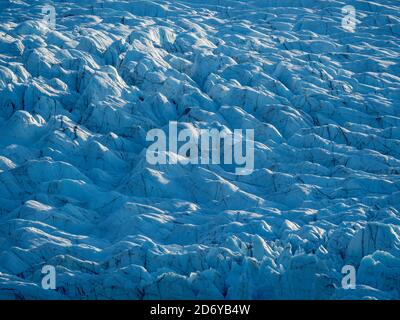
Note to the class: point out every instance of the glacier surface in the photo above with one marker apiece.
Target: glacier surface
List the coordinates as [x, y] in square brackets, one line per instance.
[77, 193]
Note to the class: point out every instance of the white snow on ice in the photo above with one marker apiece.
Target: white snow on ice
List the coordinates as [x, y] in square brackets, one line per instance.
[76, 191]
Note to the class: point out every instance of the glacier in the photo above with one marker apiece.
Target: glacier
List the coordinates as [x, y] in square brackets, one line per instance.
[76, 191]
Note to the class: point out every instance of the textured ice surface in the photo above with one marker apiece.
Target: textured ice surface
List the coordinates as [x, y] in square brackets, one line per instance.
[76, 191]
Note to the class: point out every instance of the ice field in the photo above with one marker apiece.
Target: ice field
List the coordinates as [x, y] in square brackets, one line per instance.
[77, 99]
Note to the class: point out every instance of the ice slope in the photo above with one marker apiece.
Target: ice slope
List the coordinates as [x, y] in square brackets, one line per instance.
[76, 191]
